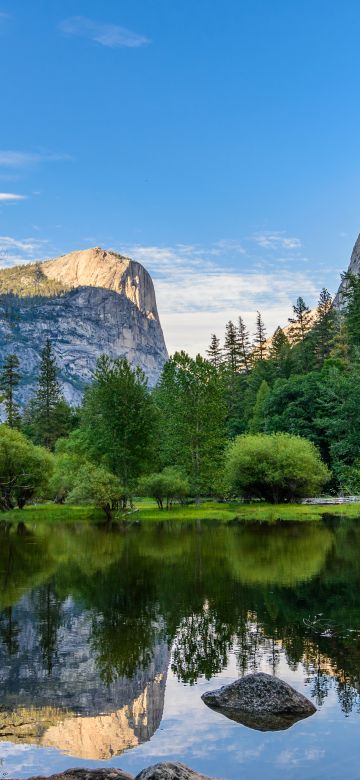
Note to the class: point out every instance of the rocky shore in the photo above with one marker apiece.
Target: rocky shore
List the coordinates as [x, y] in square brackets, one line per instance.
[163, 771]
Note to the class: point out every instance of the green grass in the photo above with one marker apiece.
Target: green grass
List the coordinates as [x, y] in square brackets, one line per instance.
[243, 512]
[147, 512]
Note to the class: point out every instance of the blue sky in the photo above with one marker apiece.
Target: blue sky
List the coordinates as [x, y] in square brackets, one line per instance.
[217, 141]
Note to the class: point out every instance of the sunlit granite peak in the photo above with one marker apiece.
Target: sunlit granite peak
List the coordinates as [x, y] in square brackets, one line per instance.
[87, 303]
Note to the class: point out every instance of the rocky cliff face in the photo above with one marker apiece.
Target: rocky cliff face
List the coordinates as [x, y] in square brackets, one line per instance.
[354, 268]
[87, 303]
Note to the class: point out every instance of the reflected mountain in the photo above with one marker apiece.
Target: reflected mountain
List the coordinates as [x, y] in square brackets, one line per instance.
[64, 703]
[91, 737]
[89, 617]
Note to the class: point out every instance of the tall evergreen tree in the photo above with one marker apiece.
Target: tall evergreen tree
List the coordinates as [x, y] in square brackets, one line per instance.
[340, 348]
[231, 347]
[47, 416]
[280, 354]
[324, 331]
[244, 346]
[214, 352]
[9, 379]
[301, 321]
[259, 338]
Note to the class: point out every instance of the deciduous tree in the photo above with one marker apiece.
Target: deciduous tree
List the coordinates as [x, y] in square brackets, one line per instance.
[192, 407]
[24, 469]
[118, 420]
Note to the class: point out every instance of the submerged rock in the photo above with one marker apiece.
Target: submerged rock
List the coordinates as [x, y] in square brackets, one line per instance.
[89, 774]
[163, 771]
[170, 771]
[260, 702]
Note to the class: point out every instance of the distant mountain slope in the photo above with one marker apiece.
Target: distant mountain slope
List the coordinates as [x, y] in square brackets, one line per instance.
[354, 268]
[29, 280]
[87, 303]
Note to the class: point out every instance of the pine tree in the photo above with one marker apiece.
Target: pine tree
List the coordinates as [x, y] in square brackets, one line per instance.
[340, 347]
[47, 416]
[260, 338]
[280, 353]
[324, 331]
[49, 393]
[301, 322]
[244, 346]
[214, 352]
[9, 379]
[231, 349]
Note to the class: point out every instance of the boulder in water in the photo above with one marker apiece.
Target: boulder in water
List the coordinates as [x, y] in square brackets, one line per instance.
[89, 774]
[170, 771]
[261, 702]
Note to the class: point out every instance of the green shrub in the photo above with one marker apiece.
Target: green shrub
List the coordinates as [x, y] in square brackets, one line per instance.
[96, 485]
[25, 469]
[169, 485]
[276, 467]
[348, 477]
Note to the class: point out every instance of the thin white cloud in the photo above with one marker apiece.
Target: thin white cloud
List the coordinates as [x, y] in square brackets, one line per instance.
[198, 289]
[15, 251]
[197, 292]
[11, 196]
[276, 240]
[188, 290]
[16, 159]
[110, 35]
[228, 245]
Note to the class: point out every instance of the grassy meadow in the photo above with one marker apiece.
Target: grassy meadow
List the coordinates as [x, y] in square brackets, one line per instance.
[146, 511]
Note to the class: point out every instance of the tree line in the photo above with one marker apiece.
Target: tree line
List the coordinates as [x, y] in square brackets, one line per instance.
[272, 418]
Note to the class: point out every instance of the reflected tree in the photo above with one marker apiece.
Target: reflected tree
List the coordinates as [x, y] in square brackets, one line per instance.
[9, 631]
[48, 610]
[201, 646]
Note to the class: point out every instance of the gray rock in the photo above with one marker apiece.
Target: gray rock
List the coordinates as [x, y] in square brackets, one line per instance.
[354, 268]
[261, 702]
[105, 304]
[170, 771]
[163, 771]
[89, 774]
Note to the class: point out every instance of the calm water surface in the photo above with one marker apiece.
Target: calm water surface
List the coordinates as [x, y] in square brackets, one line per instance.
[108, 640]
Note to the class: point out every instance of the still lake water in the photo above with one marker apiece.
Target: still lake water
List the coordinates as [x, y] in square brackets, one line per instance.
[108, 640]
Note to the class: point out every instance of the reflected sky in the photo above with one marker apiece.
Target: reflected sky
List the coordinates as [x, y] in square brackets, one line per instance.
[108, 641]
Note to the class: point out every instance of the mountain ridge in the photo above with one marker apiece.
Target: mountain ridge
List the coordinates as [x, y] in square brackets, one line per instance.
[353, 268]
[86, 302]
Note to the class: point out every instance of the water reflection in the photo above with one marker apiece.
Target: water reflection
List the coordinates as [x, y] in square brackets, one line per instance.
[89, 618]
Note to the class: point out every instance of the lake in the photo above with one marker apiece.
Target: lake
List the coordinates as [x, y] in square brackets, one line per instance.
[108, 640]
